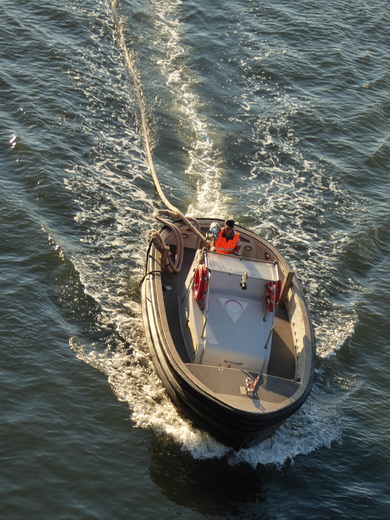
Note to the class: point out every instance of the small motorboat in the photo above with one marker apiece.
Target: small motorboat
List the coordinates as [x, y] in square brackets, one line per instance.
[230, 336]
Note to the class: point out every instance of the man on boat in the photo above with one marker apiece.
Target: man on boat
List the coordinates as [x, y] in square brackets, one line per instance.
[228, 240]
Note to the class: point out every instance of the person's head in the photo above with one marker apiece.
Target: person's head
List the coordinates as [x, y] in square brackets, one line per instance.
[229, 223]
[229, 226]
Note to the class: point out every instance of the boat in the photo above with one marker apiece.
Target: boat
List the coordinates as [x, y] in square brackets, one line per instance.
[230, 335]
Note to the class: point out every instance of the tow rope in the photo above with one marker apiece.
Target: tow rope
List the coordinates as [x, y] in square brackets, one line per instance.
[130, 63]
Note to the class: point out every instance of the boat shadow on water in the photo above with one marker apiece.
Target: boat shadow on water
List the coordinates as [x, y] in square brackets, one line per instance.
[208, 487]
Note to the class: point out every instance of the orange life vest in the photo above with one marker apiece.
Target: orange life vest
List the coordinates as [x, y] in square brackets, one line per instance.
[226, 246]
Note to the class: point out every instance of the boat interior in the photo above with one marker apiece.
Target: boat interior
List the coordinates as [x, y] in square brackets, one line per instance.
[232, 342]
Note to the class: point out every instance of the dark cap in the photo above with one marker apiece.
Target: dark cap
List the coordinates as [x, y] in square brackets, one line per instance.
[229, 223]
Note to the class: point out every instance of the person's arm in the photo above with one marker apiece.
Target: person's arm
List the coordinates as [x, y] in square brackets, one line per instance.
[237, 249]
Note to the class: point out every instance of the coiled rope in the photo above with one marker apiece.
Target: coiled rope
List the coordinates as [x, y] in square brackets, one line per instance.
[173, 213]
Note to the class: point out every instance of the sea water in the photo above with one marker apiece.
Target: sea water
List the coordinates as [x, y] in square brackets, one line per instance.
[272, 113]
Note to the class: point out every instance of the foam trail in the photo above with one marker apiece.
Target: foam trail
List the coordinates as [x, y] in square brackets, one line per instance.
[205, 163]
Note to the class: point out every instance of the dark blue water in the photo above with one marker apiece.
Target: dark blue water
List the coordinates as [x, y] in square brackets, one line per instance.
[274, 113]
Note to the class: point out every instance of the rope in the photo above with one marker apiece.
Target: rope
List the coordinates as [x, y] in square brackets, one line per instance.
[176, 264]
[130, 62]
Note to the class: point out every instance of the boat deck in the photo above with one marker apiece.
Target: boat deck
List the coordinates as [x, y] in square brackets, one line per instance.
[172, 282]
[282, 359]
[228, 384]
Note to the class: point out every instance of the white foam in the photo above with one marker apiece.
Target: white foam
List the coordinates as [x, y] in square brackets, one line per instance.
[205, 164]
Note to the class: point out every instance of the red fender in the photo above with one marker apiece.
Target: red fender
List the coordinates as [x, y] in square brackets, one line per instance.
[201, 282]
[273, 294]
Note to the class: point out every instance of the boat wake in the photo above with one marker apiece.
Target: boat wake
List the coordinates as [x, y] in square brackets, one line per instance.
[114, 199]
[133, 380]
[205, 165]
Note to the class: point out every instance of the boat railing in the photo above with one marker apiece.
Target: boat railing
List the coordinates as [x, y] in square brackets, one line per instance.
[202, 334]
[206, 308]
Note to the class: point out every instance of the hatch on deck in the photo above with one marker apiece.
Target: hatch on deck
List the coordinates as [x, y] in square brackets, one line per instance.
[234, 265]
[233, 328]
